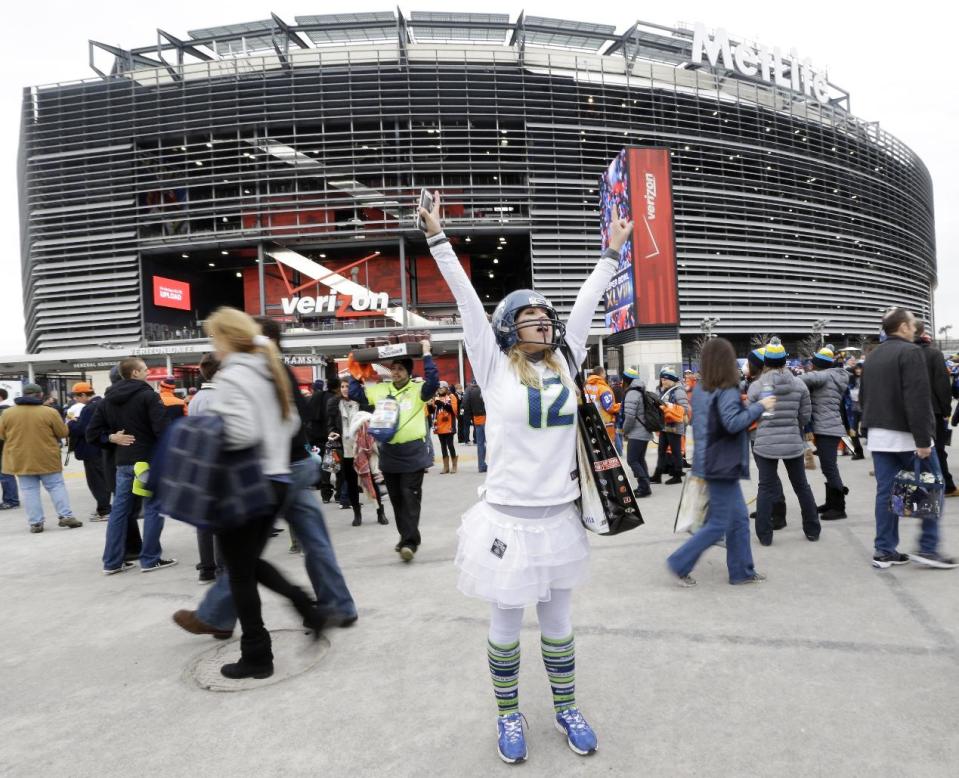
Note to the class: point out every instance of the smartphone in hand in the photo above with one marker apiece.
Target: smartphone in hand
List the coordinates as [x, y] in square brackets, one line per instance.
[426, 202]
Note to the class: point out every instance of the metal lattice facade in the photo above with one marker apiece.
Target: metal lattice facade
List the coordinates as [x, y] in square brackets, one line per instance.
[786, 211]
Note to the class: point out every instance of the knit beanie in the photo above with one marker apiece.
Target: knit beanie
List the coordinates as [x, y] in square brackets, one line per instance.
[756, 358]
[630, 374]
[168, 383]
[824, 358]
[406, 362]
[669, 373]
[775, 354]
[318, 385]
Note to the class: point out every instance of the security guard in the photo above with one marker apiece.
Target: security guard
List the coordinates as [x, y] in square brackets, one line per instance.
[404, 459]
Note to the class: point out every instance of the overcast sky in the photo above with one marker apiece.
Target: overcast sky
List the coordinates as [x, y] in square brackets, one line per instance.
[897, 66]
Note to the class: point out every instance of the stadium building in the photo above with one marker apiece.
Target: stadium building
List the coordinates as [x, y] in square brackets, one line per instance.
[273, 166]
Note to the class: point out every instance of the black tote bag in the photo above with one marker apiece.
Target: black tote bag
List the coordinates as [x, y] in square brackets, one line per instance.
[607, 504]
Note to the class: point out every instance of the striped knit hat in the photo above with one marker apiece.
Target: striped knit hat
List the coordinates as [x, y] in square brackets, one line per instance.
[756, 358]
[775, 353]
[825, 357]
[669, 373]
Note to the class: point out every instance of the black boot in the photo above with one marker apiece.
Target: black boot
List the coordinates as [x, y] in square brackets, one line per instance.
[357, 516]
[825, 505]
[835, 504]
[246, 669]
[779, 514]
[656, 478]
[381, 515]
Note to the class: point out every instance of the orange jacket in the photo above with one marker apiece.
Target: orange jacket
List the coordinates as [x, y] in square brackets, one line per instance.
[598, 391]
[169, 400]
[444, 419]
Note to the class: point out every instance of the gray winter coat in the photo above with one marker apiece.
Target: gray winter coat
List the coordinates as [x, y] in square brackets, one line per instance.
[677, 395]
[781, 436]
[633, 428]
[827, 387]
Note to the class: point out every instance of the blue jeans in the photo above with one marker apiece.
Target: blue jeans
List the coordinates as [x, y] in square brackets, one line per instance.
[636, 459]
[618, 441]
[54, 484]
[827, 449]
[886, 464]
[479, 433]
[8, 484]
[303, 514]
[727, 516]
[113, 549]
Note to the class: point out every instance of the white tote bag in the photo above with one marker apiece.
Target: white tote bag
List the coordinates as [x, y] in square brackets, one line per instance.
[693, 504]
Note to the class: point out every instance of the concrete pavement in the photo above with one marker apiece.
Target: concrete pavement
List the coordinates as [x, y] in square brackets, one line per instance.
[829, 668]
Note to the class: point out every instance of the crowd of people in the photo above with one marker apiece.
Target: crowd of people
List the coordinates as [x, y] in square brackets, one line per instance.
[523, 544]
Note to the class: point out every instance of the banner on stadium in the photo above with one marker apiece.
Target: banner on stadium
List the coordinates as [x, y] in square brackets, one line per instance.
[169, 293]
[644, 290]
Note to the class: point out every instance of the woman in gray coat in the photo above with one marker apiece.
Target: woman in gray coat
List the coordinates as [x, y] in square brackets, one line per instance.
[827, 385]
[635, 432]
[779, 437]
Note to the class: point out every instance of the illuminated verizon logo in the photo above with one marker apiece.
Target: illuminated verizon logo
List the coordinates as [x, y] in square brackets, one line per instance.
[341, 305]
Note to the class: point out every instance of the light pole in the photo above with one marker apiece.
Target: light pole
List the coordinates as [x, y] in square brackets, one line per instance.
[707, 324]
[818, 328]
[944, 334]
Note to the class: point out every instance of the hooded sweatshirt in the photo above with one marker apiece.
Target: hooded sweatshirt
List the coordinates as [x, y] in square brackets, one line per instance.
[602, 395]
[245, 398]
[132, 406]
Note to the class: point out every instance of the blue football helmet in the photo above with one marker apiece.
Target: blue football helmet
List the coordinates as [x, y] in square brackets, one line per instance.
[504, 317]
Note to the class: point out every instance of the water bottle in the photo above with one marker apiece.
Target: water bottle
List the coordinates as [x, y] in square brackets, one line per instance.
[767, 391]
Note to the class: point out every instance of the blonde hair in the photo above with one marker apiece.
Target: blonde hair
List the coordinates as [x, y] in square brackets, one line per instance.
[234, 332]
[528, 376]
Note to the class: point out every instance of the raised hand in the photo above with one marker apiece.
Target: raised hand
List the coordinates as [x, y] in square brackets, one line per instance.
[620, 230]
[431, 218]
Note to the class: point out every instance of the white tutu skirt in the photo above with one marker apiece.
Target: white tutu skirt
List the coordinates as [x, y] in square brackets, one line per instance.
[514, 562]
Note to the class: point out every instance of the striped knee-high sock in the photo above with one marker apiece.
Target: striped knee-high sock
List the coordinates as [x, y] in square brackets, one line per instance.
[559, 656]
[504, 669]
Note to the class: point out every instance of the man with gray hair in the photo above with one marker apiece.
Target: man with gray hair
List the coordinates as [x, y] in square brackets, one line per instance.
[31, 434]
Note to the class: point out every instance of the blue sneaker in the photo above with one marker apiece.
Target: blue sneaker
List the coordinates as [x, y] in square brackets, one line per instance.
[579, 735]
[511, 743]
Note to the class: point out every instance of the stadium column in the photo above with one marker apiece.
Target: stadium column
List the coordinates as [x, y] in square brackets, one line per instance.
[403, 300]
[261, 277]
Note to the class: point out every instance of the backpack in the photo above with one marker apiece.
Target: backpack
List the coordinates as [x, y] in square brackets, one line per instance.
[652, 418]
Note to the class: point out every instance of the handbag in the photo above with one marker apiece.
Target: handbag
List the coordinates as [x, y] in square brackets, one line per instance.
[917, 493]
[200, 483]
[723, 450]
[607, 503]
[693, 505]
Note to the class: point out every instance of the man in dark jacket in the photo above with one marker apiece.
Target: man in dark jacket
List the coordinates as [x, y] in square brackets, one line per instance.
[132, 417]
[89, 453]
[474, 411]
[941, 385]
[316, 427]
[897, 412]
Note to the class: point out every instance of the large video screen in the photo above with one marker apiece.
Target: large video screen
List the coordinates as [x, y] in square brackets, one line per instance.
[643, 292]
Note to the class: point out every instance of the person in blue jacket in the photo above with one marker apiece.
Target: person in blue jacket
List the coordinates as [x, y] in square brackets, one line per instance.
[727, 515]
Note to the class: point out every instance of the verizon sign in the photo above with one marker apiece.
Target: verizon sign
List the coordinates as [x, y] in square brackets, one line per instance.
[759, 62]
[343, 306]
[169, 293]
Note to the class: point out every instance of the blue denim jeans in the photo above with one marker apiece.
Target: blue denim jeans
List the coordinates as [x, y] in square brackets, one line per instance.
[886, 464]
[54, 484]
[479, 433]
[636, 459]
[727, 516]
[8, 484]
[827, 449]
[302, 512]
[113, 549]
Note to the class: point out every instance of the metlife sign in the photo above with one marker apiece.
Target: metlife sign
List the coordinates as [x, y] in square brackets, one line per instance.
[759, 62]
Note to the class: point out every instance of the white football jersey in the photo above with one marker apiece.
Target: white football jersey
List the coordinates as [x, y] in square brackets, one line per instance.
[530, 433]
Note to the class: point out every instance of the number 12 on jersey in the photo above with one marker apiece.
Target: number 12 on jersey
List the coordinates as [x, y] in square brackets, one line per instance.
[553, 416]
